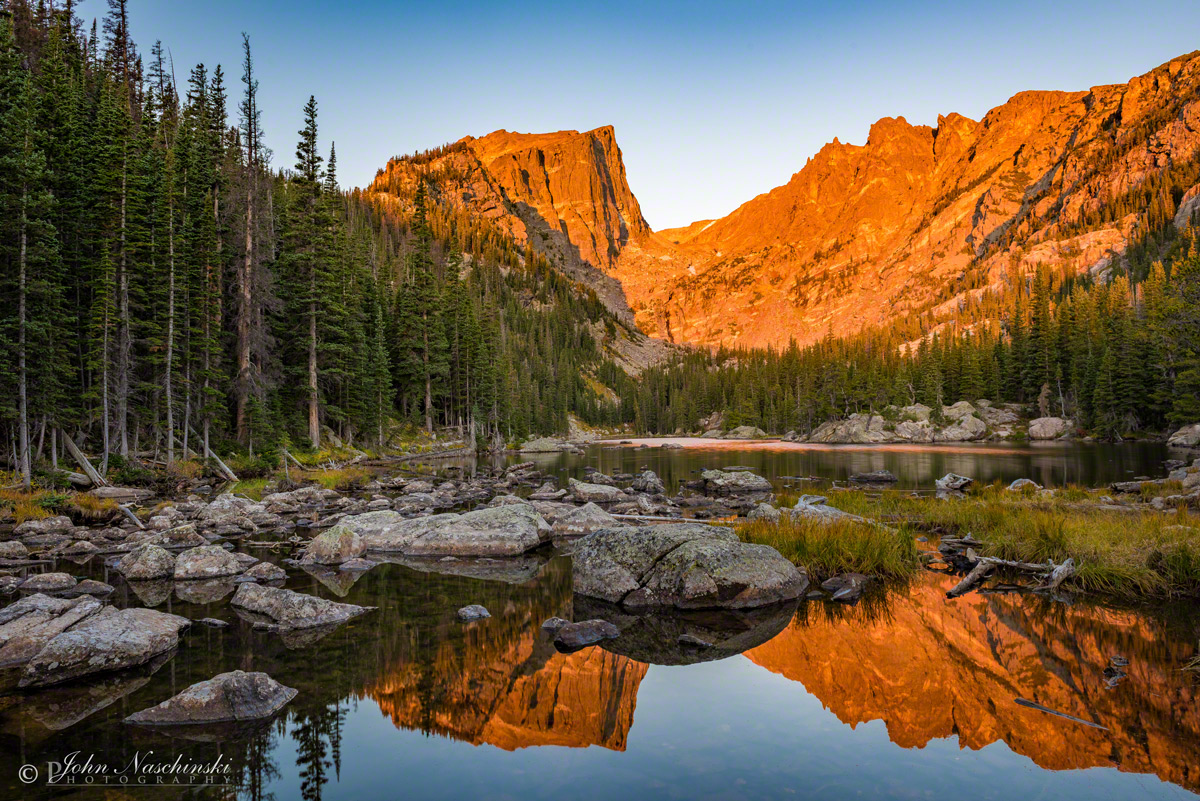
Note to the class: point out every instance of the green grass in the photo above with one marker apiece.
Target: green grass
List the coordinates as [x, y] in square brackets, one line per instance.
[251, 487]
[1133, 554]
[825, 549]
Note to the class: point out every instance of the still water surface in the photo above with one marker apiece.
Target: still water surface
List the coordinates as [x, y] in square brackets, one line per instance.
[907, 695]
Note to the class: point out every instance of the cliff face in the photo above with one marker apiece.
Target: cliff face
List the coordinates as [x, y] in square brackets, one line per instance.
[930, 668]
[914, 219]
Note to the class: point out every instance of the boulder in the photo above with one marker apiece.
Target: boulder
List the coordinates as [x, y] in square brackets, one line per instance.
[147, 562]
[494, 531]
[682, 565]
[229, 697]
[293, 610]
[814, 507]
[958, 411]
[953, 481]
[857, 428]
[570, 637]
[110, 639]
[27, 625]
[733, 482]
[206, 562]
[184, 536]
[649, 482]
[846, 588]
[765, 511]
[473, 612]
[45, 525]
[334, 546]
[1186, 437]
[47, 582]
[583, 520]
[998, 416]
[746, 432]
[966, 429]
[595, 493]
[88, 587]
[910, 431]
[265, 571]
[357, 564]
[1043, 428]
[13, 550]
[1023, 484]
[916, 413]
[543, 445]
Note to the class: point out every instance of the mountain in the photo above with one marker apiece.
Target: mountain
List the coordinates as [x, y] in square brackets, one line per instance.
[917, 220]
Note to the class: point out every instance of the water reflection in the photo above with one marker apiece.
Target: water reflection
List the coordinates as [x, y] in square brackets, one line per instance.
[932, 668]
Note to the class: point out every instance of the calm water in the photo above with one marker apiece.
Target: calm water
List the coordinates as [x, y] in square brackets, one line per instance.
[916, 466]
[907, 695]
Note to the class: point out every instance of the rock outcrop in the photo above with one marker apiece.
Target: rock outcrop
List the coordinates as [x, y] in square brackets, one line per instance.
[682, 565]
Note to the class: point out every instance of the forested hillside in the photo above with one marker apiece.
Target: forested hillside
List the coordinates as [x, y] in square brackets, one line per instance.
[168, 284]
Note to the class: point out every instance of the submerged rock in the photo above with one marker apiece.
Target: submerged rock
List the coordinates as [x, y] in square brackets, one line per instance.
[473, 612]
[293, 610]
[683, 565]
[847, 588]
[875, 477]
[108, 640]
[570, 637]
[234, 696]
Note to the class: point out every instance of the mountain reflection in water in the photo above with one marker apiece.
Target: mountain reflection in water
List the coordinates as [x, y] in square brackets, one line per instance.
[933, 668]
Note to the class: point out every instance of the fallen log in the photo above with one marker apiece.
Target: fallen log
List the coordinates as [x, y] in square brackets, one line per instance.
[222, 468]
[89, 471]
[125, 508]
[977, 574]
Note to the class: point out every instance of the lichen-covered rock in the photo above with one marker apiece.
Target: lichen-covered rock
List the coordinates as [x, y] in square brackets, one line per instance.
[13, 550]
[733, 482]
[587, 492]
[147, 562]
[570, 637]
[265, 571]
[966, 429]
[46, 525]
[1185, 437]
[953, 481]
[958, 411]
[473, 612]
[649, 482]
[206, 562]
[27, 625]
[293, 610]
[110, 639]
[745, 432]
[683, 565]
[506, 530]
[765, 511]
[334, 546]
[47, 582]
[229, 697]
[583, 520]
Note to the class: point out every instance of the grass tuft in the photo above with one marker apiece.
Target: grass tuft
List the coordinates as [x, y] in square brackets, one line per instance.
[825, 549]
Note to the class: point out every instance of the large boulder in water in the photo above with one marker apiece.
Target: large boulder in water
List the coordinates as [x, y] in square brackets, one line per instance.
[206, 562]
[1186, 437]
[586, 492]
[508, 530]
[230, 697]
[334, 546]
[1047, 428]
[110, 639]
[733, 482]
[293, 610]
[147, 562]
[682, 565]
[583, 520]
[27, 625]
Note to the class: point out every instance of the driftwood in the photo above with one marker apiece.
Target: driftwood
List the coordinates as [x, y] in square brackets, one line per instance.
[222, 468]
[981, 566]
[125, 508]
[1048, 710]
[293, 460]
[88, 470]
[977, 574]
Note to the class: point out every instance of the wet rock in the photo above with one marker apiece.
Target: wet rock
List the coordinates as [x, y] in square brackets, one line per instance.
[89, 587]
[233, 696]
[473, 612]
[79, 548]
[846, 588]
[585, 492]
[1024, 484]
[358, 564]
[47, 582]
[553, 624]
[27, 625]
[583, 520]
[874, 477]
[293, 610]
[184, 536]
[334, 546]
[648, 481]
[213, 623]
[152, 593]
[547, 492]
[682, 565]
[110, 639]
[204, 591]
[574, 636]
[13, 550]
[1043, 428]
[692, 641]
[8, 584]
[500, 531]
[953, 481]
[206, 562]
[265, 571]
[733, 482]
[147, 562]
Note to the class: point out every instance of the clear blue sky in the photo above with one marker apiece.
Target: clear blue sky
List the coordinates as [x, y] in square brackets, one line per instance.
[713, 103]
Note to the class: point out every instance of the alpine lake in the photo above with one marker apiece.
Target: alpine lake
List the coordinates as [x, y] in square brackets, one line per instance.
[905, 694]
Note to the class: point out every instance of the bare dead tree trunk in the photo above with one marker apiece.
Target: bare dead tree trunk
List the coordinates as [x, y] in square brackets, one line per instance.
[124, 337]
[22, 393]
